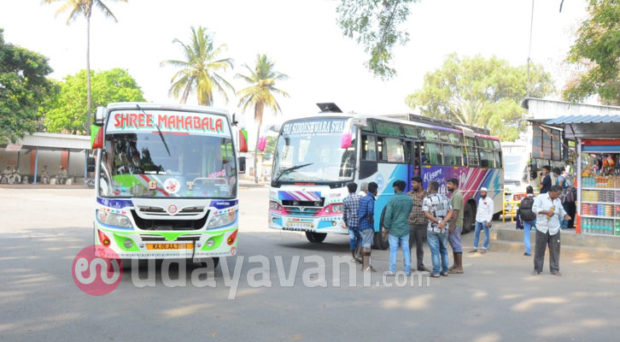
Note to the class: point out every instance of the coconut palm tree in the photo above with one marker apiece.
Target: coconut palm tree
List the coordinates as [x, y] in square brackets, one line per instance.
[199, 70]
[260, 93]
[84, 8]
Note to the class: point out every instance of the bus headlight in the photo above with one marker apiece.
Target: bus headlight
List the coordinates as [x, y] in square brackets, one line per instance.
[337, 208]
[113, 219]
[224, 219]
[273, 205]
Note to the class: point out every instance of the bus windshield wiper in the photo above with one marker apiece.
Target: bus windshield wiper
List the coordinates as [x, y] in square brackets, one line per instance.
[290, 169]
[158, 130]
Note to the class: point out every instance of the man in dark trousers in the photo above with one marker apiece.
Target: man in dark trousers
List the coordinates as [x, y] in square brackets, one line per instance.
[418, 222]
[456, 225]
[549, 212]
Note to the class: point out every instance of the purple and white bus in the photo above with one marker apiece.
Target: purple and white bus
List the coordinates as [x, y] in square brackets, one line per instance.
[317, 156]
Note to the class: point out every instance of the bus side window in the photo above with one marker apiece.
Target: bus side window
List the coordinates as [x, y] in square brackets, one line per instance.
[498, 160]
[472, 155]
[486, 159]
[381, 149]
[395, 150]
[452, 155]
[369, 148]
[432, 152]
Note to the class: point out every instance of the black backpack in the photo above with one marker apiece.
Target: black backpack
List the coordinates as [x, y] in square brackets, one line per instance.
[525, 209]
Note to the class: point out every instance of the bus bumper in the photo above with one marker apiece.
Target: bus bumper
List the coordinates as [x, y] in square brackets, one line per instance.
[327, 224]
[141, 244]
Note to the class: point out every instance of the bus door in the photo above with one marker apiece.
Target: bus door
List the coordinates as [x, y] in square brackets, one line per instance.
[413, 157]
[417, 162]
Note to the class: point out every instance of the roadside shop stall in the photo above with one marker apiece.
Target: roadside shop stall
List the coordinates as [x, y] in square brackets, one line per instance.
[597, 139]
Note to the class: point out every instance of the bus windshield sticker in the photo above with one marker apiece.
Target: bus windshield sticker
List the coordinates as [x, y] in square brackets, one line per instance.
[170, 122]
[314, 127]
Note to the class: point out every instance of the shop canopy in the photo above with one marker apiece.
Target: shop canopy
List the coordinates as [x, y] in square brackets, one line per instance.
[587, 126]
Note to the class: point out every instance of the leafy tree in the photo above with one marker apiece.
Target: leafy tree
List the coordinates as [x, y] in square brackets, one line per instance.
[199, 70]
[374, 24]
[68, 112]
[260, 93]
[480, 92]
[84, 8]
[598, 48]
[23, 86]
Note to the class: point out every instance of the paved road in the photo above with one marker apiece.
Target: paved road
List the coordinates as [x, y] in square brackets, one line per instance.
[496, 300]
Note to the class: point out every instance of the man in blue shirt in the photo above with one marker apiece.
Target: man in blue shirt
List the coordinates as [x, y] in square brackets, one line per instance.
[351, 222]
[366, 227]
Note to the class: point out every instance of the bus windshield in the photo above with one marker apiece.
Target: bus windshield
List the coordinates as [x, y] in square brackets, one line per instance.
[162, 158]
[514, 166]
[311, 151]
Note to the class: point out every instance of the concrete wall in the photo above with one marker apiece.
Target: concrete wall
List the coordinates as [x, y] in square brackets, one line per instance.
[52, 159]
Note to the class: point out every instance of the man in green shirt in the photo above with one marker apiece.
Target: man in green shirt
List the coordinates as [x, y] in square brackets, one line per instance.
[456, 225]
[396, 220]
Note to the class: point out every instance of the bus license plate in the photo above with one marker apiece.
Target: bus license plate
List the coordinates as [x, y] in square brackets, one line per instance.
[164, 246]
[297, 224]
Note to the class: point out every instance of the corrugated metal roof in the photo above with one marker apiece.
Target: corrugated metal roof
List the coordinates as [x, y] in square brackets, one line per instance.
[584, 119]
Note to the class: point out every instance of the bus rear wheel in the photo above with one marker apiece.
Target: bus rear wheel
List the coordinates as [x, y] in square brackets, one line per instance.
[379, 240]
[468, 218]
[315, 237]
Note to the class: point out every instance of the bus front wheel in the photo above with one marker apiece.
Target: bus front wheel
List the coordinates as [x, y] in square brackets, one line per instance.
[315, 237]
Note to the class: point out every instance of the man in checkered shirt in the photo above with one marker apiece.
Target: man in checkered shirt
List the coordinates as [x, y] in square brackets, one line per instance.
[438, 211]
[351, 221]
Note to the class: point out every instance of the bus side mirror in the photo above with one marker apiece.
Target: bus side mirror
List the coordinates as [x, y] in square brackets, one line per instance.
[241, 164]
[100, 115]
[345, 142]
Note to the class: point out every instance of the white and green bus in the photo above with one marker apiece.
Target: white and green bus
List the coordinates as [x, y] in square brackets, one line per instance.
[166, 182]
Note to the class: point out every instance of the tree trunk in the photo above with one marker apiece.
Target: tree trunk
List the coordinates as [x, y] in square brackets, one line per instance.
[88, 89]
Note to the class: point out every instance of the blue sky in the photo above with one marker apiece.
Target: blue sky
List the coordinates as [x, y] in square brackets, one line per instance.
[304, 40]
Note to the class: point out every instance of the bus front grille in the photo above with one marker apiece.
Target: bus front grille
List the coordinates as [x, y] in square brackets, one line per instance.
[154, 224]
[302, 211]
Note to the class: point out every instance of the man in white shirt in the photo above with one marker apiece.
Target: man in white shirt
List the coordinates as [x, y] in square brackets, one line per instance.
[484, 215]
[549, 212]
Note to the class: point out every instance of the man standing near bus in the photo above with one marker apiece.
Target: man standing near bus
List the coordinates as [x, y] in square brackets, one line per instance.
[418, 223]
[438, 211]
[484, 216]
[351, 221]
[396, 221]
[456, 225]
[549, 211]
[366, 226]
[545, 179]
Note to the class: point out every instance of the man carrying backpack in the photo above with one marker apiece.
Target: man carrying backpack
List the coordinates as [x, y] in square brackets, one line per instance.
[528, 217]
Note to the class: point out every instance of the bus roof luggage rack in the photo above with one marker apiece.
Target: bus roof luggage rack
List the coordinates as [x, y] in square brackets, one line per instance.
[433, 121]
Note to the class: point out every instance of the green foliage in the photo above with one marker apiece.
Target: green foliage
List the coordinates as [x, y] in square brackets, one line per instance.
[598, 48]
[260, 92]
[199, 70]
[374, 25]
[68, 112]
[82, 7]
[480, 92]
[23, 86]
